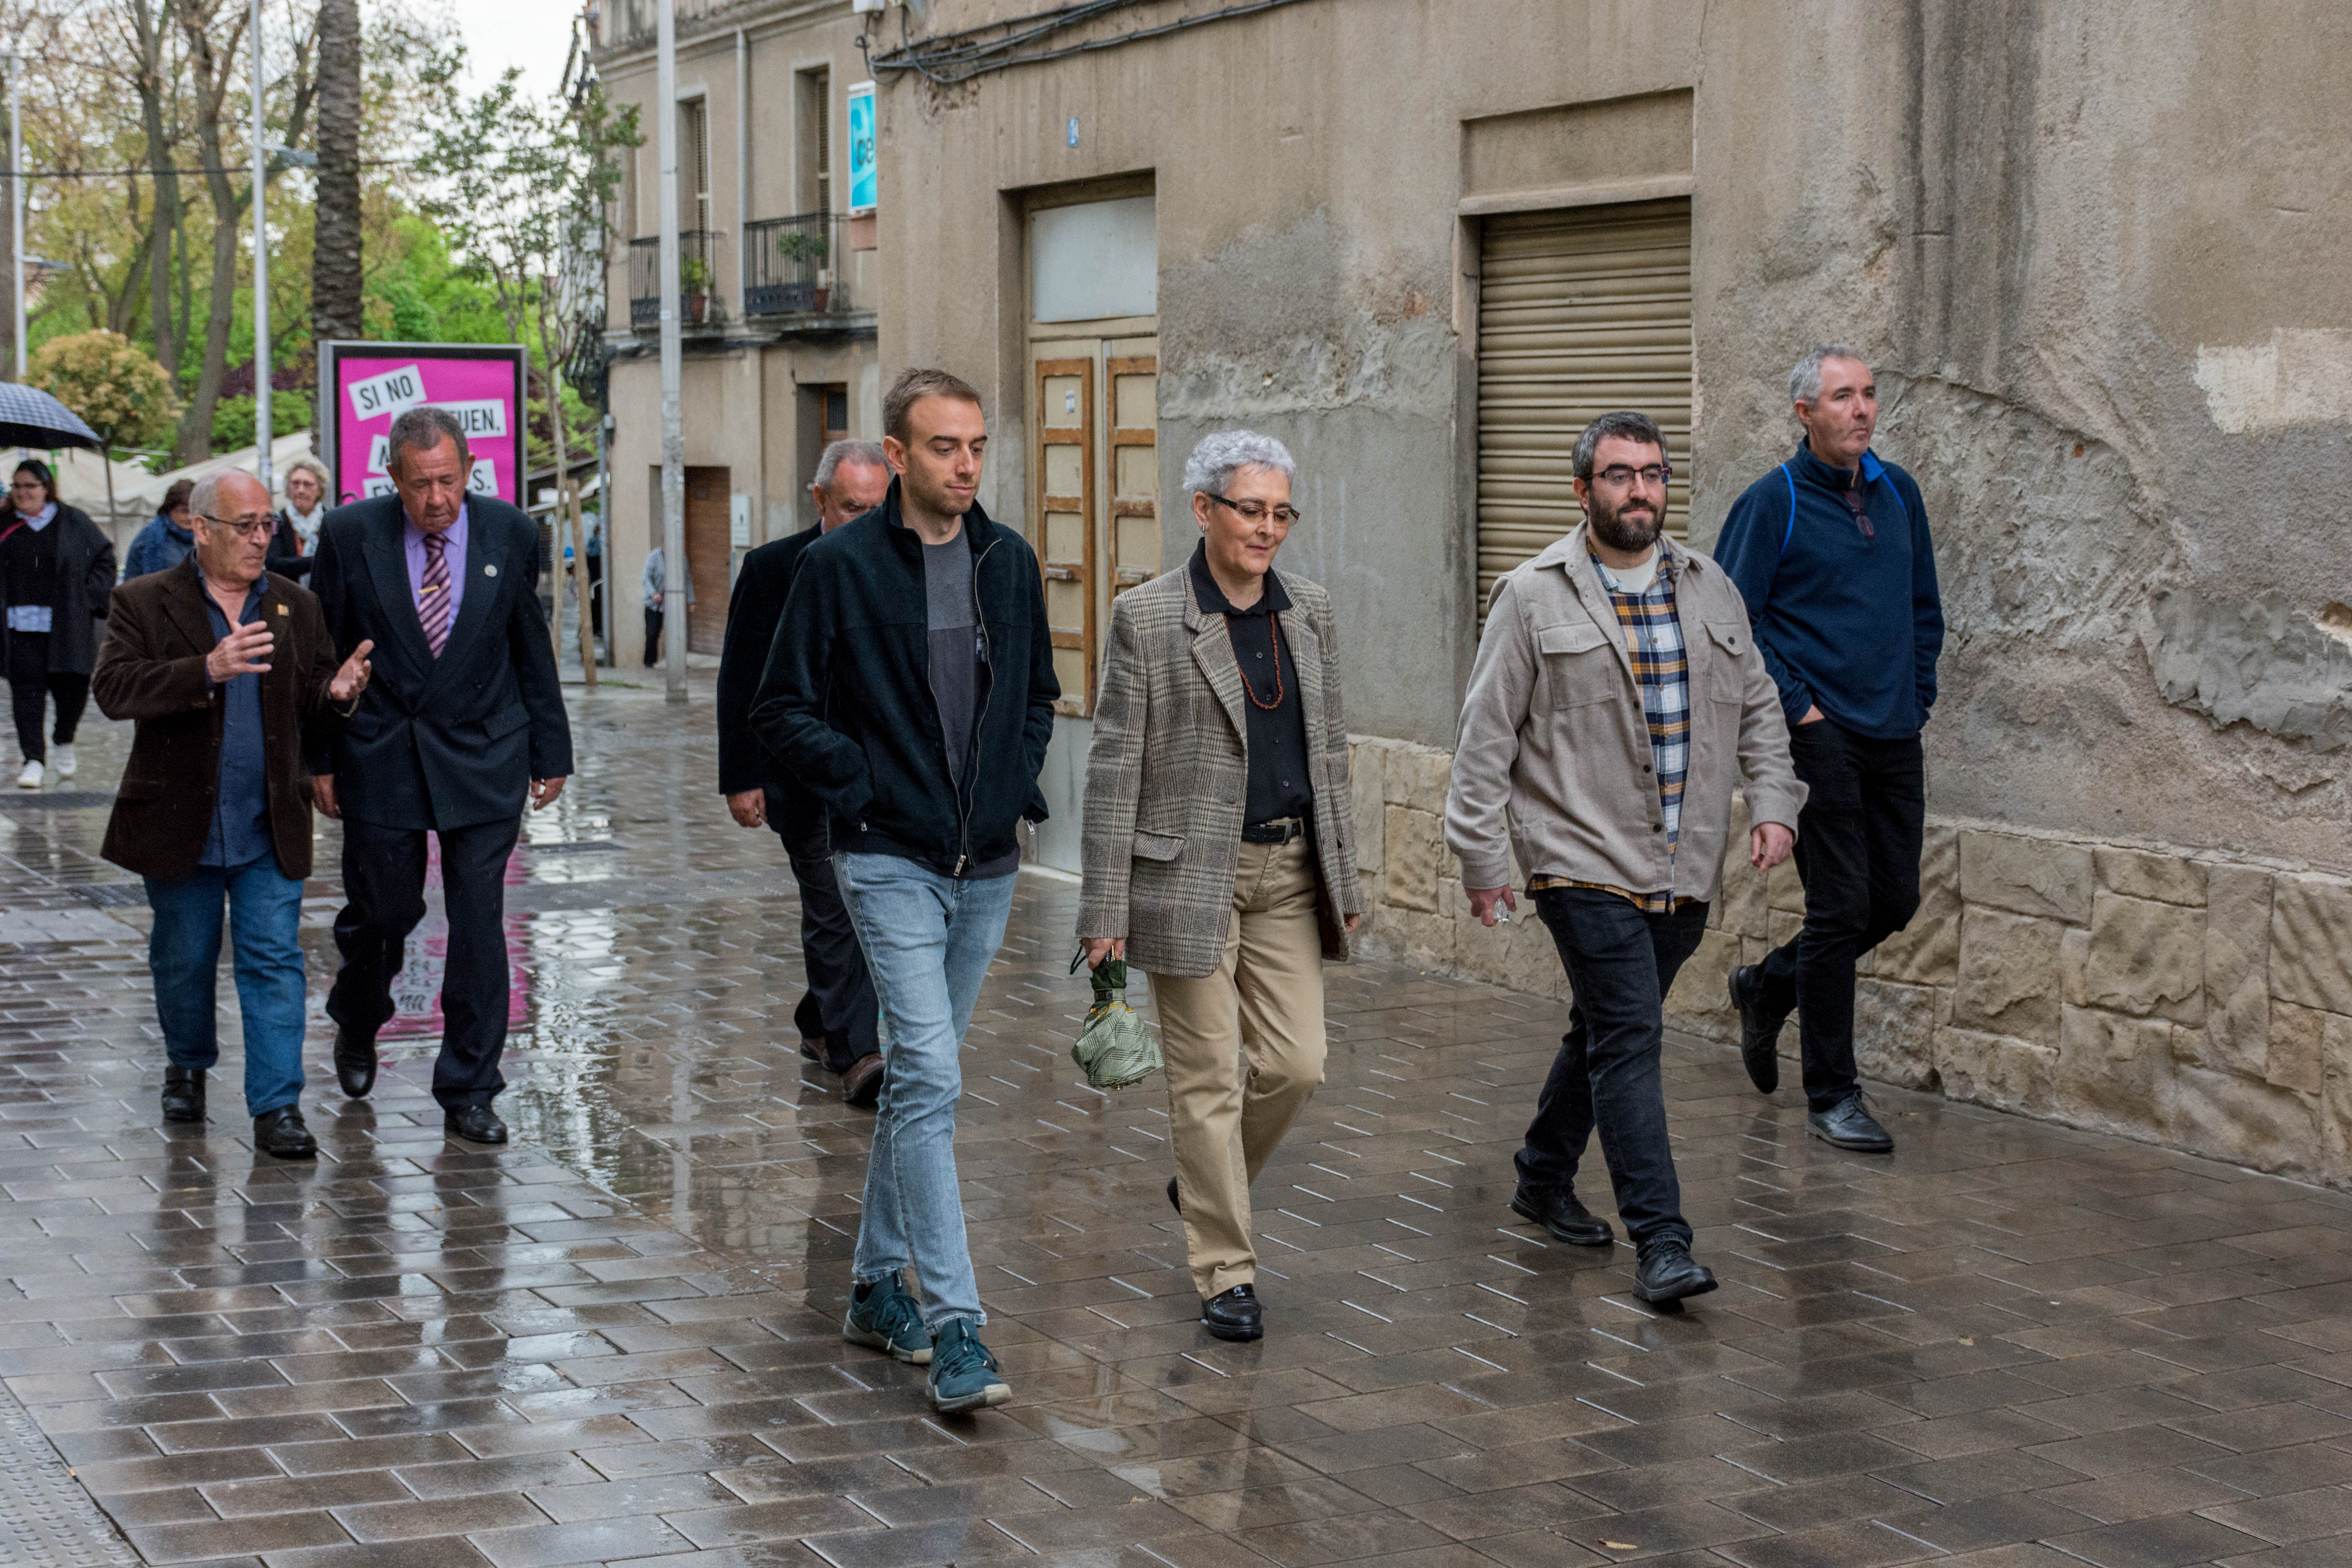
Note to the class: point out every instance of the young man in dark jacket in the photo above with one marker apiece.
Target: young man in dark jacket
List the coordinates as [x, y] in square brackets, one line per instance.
[1832, 552]
[835, 1015]
[911, 690]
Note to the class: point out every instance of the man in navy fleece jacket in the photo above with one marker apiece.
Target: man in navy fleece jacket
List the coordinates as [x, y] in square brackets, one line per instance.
[1832, 552]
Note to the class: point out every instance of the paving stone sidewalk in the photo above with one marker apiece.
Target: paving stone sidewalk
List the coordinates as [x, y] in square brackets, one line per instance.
[2011, 1345]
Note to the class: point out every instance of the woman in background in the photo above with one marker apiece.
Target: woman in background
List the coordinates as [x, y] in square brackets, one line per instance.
[57, 573]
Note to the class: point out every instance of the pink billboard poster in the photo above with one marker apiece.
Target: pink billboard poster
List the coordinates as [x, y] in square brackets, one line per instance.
[373, 382]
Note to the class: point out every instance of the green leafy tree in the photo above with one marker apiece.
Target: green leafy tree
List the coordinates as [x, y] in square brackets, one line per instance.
[119, 392]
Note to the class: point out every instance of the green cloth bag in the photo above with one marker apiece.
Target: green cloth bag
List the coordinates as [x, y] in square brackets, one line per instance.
[1116, 1047]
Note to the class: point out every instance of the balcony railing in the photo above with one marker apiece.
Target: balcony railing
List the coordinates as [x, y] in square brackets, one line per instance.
[698, 300]
[791, 266]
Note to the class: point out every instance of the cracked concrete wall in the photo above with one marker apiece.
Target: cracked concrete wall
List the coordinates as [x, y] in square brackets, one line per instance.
[2103, 254]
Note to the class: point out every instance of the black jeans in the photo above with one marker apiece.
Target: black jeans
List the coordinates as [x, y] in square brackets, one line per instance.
[653, 637]
[31, 684]
[1858, 855]
[1621, 964]
[840, 1007]
[384, 877]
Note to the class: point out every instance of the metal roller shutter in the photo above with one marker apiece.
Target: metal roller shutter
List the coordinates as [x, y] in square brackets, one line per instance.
[1579, 312]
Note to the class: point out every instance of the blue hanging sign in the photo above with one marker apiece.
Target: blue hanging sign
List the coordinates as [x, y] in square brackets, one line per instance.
[861, 149]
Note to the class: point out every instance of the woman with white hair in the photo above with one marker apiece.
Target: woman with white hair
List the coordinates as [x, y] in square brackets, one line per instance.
[295, 540]
[1217, 844]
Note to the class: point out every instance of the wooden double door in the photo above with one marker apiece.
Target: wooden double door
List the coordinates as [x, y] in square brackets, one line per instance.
[1095, 486]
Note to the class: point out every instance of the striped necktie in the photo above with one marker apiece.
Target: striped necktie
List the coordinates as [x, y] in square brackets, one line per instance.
[432, 598]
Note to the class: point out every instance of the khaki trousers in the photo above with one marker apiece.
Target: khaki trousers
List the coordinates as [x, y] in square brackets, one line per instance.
[1244, 1049]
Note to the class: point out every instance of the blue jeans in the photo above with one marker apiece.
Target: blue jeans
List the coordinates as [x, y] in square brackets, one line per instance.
[929, 941]
[265, 911]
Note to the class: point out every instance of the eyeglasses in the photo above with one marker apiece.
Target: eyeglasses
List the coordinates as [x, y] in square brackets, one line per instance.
[1620, 477]
[1256, 511]
[247, 527]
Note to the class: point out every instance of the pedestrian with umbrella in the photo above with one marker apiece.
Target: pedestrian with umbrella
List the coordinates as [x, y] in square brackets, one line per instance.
[57, 573]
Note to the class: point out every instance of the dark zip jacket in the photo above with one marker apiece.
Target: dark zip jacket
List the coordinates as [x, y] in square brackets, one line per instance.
[1847, 616]
[846, 699]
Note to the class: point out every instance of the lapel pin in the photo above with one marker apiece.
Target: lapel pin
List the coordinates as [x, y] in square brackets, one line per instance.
[282, 609]
[489, 569]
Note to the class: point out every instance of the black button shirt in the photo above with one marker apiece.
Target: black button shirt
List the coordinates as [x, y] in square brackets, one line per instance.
[1276, 735]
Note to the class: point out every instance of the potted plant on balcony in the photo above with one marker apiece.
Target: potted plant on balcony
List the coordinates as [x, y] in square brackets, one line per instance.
[800, 247]
[693, 284]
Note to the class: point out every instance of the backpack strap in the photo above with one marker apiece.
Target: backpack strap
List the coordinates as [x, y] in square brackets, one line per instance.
[1790, 532]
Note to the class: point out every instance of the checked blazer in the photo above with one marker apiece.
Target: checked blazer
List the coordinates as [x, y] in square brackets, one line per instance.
[1168, 774]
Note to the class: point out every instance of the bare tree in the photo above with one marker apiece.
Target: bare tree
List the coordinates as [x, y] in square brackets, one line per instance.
[213, 74]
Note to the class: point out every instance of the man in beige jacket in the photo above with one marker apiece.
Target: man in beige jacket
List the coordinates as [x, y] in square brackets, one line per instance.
[1616, 693]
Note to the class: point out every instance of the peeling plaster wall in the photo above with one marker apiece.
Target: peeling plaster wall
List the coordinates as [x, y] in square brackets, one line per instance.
[2103, 254]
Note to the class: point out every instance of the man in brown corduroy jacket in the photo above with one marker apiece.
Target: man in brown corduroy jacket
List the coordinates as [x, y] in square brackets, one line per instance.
[226, 668]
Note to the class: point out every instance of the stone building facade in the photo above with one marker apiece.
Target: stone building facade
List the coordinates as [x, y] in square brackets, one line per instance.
[775, 307]
[2101, 255]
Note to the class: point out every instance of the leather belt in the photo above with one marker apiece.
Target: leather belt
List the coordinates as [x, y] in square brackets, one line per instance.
[1282, 830]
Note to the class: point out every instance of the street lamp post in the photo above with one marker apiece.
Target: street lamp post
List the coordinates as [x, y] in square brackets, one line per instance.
[16, 199]
[673, 434]
[262, 432]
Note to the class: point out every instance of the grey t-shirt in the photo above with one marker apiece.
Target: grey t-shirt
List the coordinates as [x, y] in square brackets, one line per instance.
[955, 645]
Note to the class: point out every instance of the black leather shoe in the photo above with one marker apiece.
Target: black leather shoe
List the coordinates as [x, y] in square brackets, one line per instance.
[812, 1050]
[861, 1085]
[1559, 1211]
[1235, 1315]
[475, 1124]
[1848, 1124]
[281, 1132]
[1173, 1200]
[1665, 1274]
[184, 1094]
[1759, 1029]
[355, 1061]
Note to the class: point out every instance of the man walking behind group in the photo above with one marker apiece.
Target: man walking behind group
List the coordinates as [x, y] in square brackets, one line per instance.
[1615, 692]
[226, 671]
[464, 718]
[911, 688]
[835, 1015]
[1832, 552]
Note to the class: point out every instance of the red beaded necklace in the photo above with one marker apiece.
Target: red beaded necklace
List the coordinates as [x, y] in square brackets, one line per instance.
[1273, 635]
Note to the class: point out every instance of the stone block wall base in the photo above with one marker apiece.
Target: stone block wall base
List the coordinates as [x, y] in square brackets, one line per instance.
[2178, 997]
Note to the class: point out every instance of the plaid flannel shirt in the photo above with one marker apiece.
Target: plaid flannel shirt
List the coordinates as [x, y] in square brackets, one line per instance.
[1654, 638]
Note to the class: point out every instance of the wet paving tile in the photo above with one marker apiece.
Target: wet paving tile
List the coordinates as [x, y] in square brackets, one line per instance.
[617, 1339]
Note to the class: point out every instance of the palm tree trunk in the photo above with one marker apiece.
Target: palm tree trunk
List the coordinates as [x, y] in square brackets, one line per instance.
[335, 276]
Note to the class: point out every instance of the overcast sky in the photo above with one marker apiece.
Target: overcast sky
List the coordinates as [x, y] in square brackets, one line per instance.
[533, 34]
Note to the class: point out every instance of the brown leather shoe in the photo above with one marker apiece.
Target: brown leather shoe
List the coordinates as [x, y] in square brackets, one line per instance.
[861, 1086]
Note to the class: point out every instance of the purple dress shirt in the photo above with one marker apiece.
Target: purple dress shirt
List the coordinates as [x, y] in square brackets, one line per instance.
[453, 553]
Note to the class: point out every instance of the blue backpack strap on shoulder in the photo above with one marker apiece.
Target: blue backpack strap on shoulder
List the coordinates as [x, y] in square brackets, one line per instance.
[1790, 531]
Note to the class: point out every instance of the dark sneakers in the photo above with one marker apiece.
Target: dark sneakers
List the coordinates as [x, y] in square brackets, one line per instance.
[1848, 1124]
[355, 1061]
[883, 1317]
[184, 1094]
[1559, 1212]
[1665, 1273]
[964, 1373]
[1759, 1028]
[1234, 1315]
[282, 1133]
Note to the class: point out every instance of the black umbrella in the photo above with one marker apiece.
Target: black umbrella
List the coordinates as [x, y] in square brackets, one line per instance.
[31, 418]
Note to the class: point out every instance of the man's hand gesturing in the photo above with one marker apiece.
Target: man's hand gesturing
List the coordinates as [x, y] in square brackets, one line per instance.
[245, 651]
[352, 677]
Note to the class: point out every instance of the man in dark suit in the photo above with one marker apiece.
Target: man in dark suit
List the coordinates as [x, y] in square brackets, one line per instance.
[836, 1015]
[464, 719]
